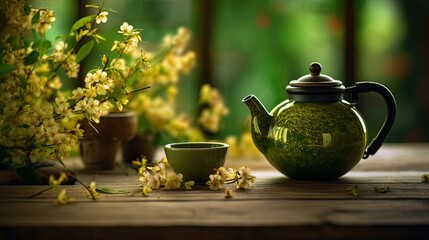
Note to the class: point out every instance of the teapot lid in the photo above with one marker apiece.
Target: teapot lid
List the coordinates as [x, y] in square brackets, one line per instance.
[315, 87]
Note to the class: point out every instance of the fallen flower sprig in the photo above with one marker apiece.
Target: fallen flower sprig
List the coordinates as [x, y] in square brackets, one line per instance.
[61, 195]
[155, 177]
[354, 190]
[158, 175]
[242, 178]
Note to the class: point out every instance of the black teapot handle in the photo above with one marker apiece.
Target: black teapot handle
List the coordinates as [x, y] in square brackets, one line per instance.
[362, 87]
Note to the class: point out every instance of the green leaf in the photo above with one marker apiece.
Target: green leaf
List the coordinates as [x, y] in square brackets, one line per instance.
[43, 45]
[13, 40]
[28, 175]
[110, 10]
[110, 190]
[61, 36]
[5, 68]
[81, 22]
[27, 9]
[51, 75]
[36, 17]
[98, 37]
[92, 6]
[31, 58]
[84, 51]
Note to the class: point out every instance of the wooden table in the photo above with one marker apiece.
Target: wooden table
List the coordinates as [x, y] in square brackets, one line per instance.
[275, 207]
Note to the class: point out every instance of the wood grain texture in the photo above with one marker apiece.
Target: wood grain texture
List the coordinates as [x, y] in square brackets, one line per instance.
[275, 207]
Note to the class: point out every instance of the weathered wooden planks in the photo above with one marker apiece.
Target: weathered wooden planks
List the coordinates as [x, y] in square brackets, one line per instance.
[275, 207]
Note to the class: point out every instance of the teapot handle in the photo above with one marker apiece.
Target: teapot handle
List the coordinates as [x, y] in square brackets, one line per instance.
[362, 87]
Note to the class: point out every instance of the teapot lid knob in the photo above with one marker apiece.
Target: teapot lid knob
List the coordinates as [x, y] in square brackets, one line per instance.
[315, 87]
[315, 68]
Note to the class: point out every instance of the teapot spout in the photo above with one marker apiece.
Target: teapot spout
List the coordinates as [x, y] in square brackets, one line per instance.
[260, 122]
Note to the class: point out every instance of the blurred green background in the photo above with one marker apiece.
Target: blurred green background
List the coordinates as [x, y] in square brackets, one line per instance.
[259, 46]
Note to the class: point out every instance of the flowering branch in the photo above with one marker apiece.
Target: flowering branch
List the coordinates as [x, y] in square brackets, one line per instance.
[38, 121]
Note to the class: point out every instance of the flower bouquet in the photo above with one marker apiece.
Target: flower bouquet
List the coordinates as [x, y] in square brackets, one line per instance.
[157, 109]
[38, 119]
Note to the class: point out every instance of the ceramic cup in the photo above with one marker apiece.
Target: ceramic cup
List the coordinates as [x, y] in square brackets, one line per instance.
[196, 160]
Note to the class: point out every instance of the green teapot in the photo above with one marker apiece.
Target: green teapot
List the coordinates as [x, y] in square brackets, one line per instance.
[316, 134]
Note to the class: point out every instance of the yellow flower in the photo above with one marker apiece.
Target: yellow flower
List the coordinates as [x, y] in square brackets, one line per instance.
[160, 168]
[92, 193]
[189, 184]
[55, 182]
[152, 181]
[55, 83]
[244, 178]
[101, 17]
[146, 190]
[126, 29]
[71, 66]
[209, 120]
[144, 178]
[172, 93]
[165, 162]
[140, 162]
[45, 21]
[229, 193]
[120, 103]
[81, 33]
[173, 181]
[233, 150]
[178, 126]
[63, 198]
[215, 182]
[354, 190]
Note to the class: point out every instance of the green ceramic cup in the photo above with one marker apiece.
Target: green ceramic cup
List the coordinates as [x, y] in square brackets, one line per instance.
[196, 160]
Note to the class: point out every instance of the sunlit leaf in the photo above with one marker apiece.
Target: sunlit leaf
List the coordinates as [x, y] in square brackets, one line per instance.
[81, 22]
[84, 51]
[61, 36]
[110, 10]
[43, 46]
[92, 6]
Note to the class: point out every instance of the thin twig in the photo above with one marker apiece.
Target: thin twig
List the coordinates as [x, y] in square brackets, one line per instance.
[38, 193]
[140, 89]
[77, 179]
